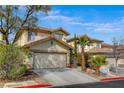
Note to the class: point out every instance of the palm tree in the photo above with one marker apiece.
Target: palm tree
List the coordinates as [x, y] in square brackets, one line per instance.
[75, 46]
[83, 41]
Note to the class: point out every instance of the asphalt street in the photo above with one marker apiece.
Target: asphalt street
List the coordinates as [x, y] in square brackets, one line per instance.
[106, 84]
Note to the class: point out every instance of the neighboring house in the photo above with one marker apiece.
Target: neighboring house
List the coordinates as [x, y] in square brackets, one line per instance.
[98, 47]
[107, 50]
[120, 54]
[95, 43]
[48, 46]
[105, 45]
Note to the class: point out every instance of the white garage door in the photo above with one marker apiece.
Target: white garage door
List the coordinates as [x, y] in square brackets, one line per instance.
[49, 60]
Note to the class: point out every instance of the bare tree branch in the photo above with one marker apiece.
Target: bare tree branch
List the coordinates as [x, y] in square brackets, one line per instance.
[29, 13]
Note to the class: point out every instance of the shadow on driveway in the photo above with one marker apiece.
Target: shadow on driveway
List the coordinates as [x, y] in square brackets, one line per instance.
[107, 84]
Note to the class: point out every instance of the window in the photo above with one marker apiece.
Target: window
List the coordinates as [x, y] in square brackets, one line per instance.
[31, 36]
[58, 36]
[98, 45]
[43, 35]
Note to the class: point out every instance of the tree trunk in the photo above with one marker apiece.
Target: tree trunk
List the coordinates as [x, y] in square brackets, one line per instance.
[5, 38]
[83, 60]
[116, 66]
[7, 41]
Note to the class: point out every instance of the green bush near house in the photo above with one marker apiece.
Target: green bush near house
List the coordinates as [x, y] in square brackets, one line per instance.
[12, 59]
[98, 61]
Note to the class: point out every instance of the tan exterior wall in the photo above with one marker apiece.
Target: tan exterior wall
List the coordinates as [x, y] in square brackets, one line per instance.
[71, 43]
[1, 37]
[57, 47]
[23, 39]
[41, 36]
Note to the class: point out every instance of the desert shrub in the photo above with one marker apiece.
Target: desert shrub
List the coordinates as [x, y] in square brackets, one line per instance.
[12, 59]
[98, 61]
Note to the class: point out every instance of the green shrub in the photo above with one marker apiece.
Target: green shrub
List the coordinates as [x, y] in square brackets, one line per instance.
[17, 72]
[12, 59]
[98, 61]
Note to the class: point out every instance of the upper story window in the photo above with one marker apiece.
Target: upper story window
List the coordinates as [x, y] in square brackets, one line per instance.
[98, 45]
[43, 35]
[31, 36]
[58, 36]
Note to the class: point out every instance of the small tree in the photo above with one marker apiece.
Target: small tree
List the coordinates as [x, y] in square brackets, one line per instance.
[98, 61]
[12, 21]
[12, 59]
[83, 41]
[116, 53]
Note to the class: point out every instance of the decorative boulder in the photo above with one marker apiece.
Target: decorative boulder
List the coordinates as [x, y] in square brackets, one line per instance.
[104, 71]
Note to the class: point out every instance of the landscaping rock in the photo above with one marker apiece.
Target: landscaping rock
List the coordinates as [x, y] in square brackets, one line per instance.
[90, 71]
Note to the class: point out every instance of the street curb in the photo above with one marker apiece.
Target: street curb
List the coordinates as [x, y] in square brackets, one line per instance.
[112, 78]
[35, 86]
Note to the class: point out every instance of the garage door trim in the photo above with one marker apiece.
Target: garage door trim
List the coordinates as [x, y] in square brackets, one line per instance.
[46, 51]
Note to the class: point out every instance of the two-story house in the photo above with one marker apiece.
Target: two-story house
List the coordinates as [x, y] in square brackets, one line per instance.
[48, 46]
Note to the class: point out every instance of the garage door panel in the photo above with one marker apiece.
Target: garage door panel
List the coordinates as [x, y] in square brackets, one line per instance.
[50, 60]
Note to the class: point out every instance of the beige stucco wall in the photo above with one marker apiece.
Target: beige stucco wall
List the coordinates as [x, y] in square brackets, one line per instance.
[23, 39]
[1, 38]
[41, 36]
[47, 46]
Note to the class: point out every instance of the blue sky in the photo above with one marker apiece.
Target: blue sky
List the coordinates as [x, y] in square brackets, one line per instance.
[101, 22]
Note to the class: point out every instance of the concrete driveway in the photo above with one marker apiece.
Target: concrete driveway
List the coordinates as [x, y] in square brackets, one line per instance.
[65, 76]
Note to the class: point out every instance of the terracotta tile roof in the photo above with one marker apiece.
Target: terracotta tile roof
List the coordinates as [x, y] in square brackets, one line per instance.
[60, 29]
[105, 45]
[95, 40]
[120, 47]
[30, 44]
[92, 39]
[100, 50]
[41, 29]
